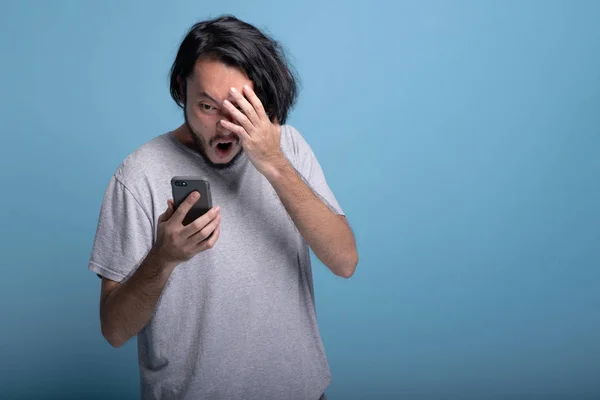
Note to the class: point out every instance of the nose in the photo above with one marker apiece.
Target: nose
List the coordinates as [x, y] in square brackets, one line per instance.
[221, 130]
[227, 116]
[224, 114]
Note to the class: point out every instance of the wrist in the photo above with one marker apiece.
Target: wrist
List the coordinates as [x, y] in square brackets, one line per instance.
[159, 262]
[276, 168]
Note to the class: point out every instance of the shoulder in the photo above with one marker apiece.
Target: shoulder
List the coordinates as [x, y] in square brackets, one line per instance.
[141, 173]
[141, 162]
[293, 144]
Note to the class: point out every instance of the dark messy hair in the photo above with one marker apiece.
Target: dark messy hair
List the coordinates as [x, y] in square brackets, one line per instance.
[238, 44]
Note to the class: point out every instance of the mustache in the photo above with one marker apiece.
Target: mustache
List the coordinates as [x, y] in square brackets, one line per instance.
[229, 138]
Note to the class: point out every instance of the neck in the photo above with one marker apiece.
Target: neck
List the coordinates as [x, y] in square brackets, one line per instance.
[183, 134]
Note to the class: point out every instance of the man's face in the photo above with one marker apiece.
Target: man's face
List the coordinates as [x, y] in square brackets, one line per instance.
[207, 87]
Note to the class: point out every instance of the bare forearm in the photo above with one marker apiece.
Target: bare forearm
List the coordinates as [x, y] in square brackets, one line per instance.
[328, 235]
[128, 308]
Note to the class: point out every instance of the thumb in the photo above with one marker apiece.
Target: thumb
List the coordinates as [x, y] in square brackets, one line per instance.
[168, 212]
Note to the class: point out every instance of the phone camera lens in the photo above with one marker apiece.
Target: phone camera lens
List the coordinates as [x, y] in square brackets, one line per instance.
[180, 183]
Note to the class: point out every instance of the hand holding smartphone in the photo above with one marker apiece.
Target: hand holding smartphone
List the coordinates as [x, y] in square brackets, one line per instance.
[183, 186]
[194, 228]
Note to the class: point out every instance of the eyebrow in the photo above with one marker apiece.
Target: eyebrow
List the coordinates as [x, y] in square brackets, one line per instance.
[204, 94]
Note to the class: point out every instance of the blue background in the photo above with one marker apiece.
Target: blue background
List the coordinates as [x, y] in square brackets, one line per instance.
[462, 138]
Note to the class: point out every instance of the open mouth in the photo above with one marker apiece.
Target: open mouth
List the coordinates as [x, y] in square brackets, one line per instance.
[223, 149]
[224, 146]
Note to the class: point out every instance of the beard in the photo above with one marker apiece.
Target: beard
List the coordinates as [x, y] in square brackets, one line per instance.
[201, 146]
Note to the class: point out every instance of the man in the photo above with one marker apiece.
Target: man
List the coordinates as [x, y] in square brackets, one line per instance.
[223, 308]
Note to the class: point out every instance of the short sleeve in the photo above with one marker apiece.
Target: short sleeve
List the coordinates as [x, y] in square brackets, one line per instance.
[309, 168]
[124, 234]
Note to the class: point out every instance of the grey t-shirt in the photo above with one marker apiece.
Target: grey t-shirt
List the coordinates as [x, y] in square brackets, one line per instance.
[237, 321]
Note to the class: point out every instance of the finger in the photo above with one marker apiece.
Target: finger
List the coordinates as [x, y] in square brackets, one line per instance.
[184, 207]
[238, 116]
[210, 242]
[200, 222]
[257, 105]
[165, 216]
[205, 232]
[246, 106]
[239, 130]
[171, 205]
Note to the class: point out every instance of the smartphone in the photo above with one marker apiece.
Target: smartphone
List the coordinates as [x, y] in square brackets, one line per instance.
[182, 186]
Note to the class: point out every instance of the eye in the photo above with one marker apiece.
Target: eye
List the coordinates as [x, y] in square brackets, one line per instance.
[206, 107]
